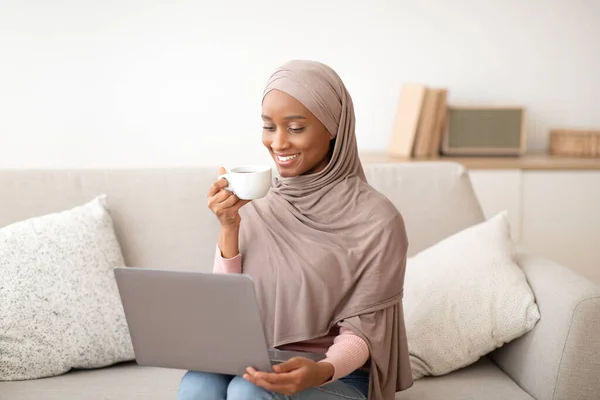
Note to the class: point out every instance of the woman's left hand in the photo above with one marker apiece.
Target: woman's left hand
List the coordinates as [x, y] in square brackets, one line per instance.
[293, 376]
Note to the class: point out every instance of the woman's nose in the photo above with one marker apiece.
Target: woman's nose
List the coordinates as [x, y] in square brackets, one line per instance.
[280, 140]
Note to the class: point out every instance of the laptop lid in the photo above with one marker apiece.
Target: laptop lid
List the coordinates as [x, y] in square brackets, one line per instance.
[193, 321]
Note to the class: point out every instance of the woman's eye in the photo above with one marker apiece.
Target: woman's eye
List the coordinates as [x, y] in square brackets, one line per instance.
[269, 128]
[295, 130]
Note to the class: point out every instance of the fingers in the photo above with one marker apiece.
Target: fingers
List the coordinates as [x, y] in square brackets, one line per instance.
[274, 379]
[224, 201]
[281, 383]
[266, 385]
[215, 201]
[281, 379]
[289, 365]
[221, 196]
[240, 203]
[217, 186]
[229, 202]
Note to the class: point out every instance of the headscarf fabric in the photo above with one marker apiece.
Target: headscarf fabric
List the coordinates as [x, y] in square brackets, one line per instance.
[327, 248]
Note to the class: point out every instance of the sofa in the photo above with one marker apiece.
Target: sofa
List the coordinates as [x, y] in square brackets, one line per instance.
[162, 221]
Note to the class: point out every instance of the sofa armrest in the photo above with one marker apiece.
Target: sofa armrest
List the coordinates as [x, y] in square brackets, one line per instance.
[560, 358]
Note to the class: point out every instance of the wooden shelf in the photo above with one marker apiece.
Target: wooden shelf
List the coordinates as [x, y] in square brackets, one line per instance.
[542, 162]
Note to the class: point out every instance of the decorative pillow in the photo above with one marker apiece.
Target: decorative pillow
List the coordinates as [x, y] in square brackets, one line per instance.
[59, 304]
[464, 297]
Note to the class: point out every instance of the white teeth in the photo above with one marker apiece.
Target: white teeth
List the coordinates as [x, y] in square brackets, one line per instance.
[287, 158]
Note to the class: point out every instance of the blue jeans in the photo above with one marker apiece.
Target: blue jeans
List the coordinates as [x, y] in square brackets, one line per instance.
[207, 386]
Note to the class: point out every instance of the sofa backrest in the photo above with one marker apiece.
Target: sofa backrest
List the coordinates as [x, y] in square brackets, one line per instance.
[161, 215]
[436, 199]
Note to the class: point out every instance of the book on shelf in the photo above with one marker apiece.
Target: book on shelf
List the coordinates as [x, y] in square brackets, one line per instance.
[419, 121]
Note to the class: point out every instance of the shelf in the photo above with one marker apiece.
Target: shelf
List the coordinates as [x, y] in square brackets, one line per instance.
[542, 162]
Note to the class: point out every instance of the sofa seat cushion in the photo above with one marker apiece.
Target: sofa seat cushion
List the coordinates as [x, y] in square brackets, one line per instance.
[482, 380]
[123, 381]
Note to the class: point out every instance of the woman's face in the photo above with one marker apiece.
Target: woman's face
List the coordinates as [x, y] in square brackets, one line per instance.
[297, 140]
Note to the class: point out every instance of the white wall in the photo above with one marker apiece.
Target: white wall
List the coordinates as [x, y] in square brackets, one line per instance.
[148, 82]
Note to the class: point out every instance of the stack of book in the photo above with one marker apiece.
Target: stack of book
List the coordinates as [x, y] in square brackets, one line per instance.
[419, 123]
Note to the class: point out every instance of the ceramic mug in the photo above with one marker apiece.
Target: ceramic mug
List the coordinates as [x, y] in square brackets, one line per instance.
[249, 182]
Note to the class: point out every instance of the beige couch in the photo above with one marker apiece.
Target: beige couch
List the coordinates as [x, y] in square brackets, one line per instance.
[163, 222]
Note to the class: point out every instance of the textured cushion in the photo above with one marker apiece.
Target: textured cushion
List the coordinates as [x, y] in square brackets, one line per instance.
[60, 307]
[465, 297]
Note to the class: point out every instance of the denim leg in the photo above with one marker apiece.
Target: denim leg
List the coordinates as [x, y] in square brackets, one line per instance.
[333, 391]
[207, 386]
[241, 389]
[203, 386]
[336, 390]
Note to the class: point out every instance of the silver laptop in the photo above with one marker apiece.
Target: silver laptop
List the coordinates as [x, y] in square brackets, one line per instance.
[196, 321]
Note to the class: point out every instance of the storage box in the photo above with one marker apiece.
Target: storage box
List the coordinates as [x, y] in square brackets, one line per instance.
[485, 131]
[575, 143]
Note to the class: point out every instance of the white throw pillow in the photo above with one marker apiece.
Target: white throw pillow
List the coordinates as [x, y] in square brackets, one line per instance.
[464, 297]
[59, 304]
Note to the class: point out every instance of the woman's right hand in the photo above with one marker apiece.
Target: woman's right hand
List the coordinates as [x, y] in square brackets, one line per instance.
[224, 204]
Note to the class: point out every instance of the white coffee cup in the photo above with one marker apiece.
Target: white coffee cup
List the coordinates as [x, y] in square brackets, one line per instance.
[249, 182]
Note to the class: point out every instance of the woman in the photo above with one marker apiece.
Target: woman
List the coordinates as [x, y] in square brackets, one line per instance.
[326, 251]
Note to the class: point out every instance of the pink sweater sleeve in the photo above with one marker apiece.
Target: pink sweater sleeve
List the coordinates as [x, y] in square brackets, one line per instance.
[347, 353]
[227, 265]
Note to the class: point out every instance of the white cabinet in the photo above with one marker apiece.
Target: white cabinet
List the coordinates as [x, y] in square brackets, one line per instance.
[499, 190]
[554, 213]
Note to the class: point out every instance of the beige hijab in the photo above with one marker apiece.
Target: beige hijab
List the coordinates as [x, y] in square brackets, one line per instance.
[327, 248]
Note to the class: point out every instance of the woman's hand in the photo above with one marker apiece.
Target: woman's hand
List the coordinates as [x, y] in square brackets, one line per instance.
[293, 376]
[224, 204]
